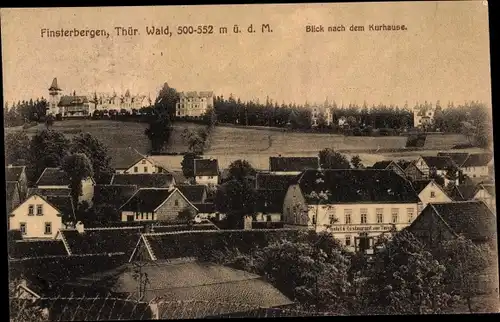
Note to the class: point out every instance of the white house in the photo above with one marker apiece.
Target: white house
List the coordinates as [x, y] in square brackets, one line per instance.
[130, 161]
[321, 112]
[55, 178]
[194, 104]
[357, 206]
[440, 165]
[42, 217]
[423, 116]
[429, 192]
[206, 171]
[477, 165]
[292, 165]
[486, 193]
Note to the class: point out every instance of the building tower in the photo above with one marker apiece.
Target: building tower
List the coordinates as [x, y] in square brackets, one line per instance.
[54, 92]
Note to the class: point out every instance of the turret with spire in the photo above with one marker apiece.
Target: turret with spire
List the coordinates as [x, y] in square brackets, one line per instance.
[54, 94]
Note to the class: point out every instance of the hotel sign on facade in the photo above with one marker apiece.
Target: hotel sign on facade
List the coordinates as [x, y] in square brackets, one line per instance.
[361, 228]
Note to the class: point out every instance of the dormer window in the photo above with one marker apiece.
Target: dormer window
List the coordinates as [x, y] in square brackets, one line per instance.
[143, 161]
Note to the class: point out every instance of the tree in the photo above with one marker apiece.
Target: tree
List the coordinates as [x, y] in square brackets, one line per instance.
[77, 167]
[97, 152]
[49, 121]
[241, 169]
[187, 164]
[330, 159]
[356, 162]
[158, 131]
[237, 198]
[465, 262]
[405, 278]
[166, 101]
[195, 140]
[16, 147]
[47, 149]
[187, 215]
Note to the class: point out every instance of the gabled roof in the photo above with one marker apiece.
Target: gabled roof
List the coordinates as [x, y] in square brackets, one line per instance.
[54, 86]
[351, 186]
[381, 165]
[101, 240]
[206, 94]
[295, 164]
[206, 167]
[440, 163]
[144, 180]
[420, 185]
[463, 192]
[64, 204]
[269, 181]
[194, 193]
[478, 160]
[53, 177]
[70, 100]
[490, 188]
[11, 190]
[13, 173]
[112, 194]
[184, 227]
[457, 157]
[20, 249]
[62, 192]
[473, 219]
[147, 199]
[124, 158]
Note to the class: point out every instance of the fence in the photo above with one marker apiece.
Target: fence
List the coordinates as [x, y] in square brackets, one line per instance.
[109, 308]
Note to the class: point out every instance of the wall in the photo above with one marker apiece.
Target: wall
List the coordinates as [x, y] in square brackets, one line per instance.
[207, 180]
[35, 225]
[144, 216]
[440, 196]
[489, 200]
[473, 172]
[195, 107]
[169, 211]
[413, 172]
[430, 229]
[293, 205]
[151, 167]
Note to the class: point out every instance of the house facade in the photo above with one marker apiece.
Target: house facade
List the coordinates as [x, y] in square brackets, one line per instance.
[389, 165]
[319, 113]
[55, 178]
[41, 217]
[194, 104]
[477, 165]
[429, 191]
[357, 205]
[144, 165]
[206, 171]
[440, 165]
[423, 116]
[130, 161]
[156, 204]
[412, 172]
[486, 193]
[17, 174]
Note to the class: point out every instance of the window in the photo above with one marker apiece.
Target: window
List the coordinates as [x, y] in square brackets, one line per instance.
[348, 240]
[39, 210]
[22, 228]
[143, 161]
[347, 215]
[380, 215]
[409, 211]
[136, 169]
[364, 214]
[142, 215]
[176, 202]
[332, 219]
[136, 216]
[314, 219]
[433, 194]
[48, 228]
[31, 210]
[152, 216]
[395, 213]
[145, 169]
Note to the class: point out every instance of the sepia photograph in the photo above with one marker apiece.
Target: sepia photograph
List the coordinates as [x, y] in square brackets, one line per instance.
[260, 160]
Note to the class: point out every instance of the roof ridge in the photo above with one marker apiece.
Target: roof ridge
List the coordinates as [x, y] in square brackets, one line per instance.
[115, 228]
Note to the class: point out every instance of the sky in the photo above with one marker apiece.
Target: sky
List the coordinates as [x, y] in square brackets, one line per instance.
[443, 55]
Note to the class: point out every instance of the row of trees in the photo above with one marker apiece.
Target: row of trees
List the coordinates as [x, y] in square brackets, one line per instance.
[404, 276]
[25, 112]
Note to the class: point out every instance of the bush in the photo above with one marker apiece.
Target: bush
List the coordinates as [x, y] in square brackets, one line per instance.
[416, 140]
[387, 132]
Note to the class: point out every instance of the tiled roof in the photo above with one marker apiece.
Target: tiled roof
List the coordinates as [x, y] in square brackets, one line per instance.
[36, 248]
[294, 164]
[115, 195]
[13, 173]
[478, 160]
[270, 201]
[457, 157]
[63, 192]
[404, 164]
[102, 240]
[268, 181]
[144, 180]
[70, 100]
[196, 94]
[173, 228]
[53, 177]
[490, 188]
[64, 204]
[54, 85]
[351, 186]
[420, 185]
[147, 199]
[381, 165]
[473, 219]
[124, 158]
[463, 192]
[206, 167]
[194, 193]
[198, 281]
[440, 163]
[205, 208]
[11, 189]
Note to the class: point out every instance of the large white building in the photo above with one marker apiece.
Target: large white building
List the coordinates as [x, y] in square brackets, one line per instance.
[356, 206]
[194, 104]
